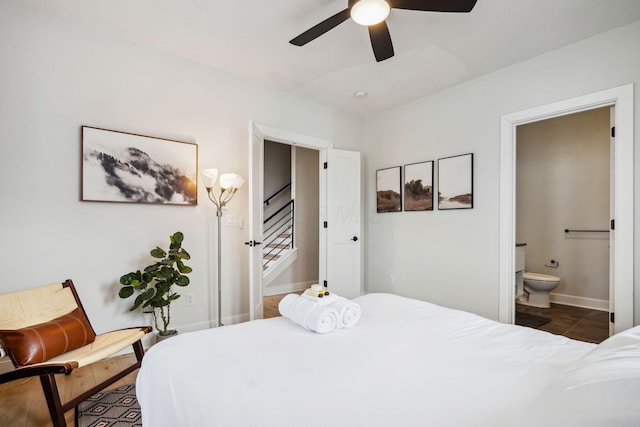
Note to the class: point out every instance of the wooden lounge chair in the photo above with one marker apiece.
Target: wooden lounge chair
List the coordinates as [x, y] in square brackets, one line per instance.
[45, 332]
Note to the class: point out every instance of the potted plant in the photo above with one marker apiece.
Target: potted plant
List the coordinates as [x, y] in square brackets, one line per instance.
[155, 285]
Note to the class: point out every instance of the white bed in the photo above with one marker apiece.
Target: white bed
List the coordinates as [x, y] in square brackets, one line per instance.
[406, 363]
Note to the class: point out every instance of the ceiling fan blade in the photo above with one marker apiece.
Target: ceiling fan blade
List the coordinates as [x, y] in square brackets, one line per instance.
[381, 41]
[434, 5]
[318, 30]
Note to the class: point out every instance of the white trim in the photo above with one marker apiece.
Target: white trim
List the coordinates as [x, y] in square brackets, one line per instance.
[574, 301]
[622, 98]
[287, 288]
[286, 259]
[198, 326]
[292, 138]
[236, 318]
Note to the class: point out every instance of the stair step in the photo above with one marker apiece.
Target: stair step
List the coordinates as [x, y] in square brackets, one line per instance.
[278, 245]
[271, 257]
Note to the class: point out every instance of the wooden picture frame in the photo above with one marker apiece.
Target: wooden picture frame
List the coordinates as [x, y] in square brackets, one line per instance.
[388, 194]
[455, 182]
[418, 186]
[129, 168]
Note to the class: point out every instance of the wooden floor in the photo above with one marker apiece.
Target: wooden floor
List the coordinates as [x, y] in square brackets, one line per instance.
[574, 322]
[270, 305]
[22, 402]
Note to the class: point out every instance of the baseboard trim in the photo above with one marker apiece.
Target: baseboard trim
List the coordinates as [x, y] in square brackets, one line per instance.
[591, 303]
[287, 288]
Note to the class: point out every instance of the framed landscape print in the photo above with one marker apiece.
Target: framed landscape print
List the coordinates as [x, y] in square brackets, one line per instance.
[455, 182]
[388, 197]
[418, 186]
[129, 168]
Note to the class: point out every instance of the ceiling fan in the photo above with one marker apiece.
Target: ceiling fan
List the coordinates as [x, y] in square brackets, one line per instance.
[372, 13]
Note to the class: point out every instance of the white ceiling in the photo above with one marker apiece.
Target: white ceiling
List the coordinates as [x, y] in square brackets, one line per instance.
[432, 50]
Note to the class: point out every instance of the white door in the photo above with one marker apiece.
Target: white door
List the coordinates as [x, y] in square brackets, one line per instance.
[612, 234]
[256, 158]
[343, 218]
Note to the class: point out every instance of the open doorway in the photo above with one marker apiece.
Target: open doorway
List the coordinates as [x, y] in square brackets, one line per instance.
[621, 292]
[563, 208]
[291, 218]
[340, 213]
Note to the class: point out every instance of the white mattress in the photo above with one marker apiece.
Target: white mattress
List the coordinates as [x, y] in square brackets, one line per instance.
[407, 363]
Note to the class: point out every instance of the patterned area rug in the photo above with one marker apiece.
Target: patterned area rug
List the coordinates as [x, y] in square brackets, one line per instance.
[117, 407]
[530, 320]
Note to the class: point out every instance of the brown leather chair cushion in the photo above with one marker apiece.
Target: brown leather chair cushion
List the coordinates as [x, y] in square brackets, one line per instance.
[41, 342]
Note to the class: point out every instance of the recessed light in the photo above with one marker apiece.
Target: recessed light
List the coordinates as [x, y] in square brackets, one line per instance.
[360, 94]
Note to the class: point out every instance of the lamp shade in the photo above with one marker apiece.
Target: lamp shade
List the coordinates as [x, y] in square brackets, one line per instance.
[209, 177]
[238, 182]
[370, 12]
[228, 180]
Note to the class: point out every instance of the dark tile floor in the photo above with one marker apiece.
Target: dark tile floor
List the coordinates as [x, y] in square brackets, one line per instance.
[573, 322]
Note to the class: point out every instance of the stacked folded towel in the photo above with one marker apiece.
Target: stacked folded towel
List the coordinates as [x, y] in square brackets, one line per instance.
[308, 314]
[320, 314]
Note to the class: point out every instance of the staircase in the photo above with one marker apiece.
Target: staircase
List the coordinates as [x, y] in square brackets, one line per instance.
[273, 252]
[278, 245]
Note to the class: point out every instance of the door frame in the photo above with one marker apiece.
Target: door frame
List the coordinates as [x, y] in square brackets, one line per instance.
[621, 98]
[296, 140]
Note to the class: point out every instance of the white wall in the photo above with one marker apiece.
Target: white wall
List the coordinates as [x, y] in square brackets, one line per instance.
[307, 215]
[277, 173]
[562, 177]
[56, 77]
[451, 257]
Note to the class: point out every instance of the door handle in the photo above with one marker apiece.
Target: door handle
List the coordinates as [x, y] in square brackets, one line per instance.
[252, 243]
[354, 238]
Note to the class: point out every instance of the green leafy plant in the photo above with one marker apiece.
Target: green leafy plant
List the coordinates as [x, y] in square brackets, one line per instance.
[154, 286]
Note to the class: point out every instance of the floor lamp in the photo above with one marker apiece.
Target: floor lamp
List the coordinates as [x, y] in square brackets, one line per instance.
[229, 184]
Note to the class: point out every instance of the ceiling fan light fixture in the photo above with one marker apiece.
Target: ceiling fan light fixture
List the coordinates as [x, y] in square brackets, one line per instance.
[370, 12]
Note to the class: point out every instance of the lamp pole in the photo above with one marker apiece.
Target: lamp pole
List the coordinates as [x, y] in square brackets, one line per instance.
[229, 184]
[219, 215]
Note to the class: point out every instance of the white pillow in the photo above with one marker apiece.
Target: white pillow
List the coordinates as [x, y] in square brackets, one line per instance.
[601, 389]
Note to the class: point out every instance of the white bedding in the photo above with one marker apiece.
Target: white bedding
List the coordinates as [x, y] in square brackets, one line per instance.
[407, 363]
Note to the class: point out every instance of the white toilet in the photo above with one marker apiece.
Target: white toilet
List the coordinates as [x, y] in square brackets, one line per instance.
[537, 287]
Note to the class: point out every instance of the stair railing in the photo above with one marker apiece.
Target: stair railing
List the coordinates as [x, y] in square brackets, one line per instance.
[268, 199]
[275, 226]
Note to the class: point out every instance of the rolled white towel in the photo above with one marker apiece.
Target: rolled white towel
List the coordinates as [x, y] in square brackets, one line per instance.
[348, 312]
[308, 313]
[322, 319]
[286, 304]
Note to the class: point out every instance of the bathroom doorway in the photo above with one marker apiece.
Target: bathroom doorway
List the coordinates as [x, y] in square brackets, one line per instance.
[622, 259]
[563, 211]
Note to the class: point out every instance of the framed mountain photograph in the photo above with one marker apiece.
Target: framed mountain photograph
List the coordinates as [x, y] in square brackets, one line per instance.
[130, 168]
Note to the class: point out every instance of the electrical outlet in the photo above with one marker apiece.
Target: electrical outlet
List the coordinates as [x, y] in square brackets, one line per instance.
[392, 279]
[190, 298]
